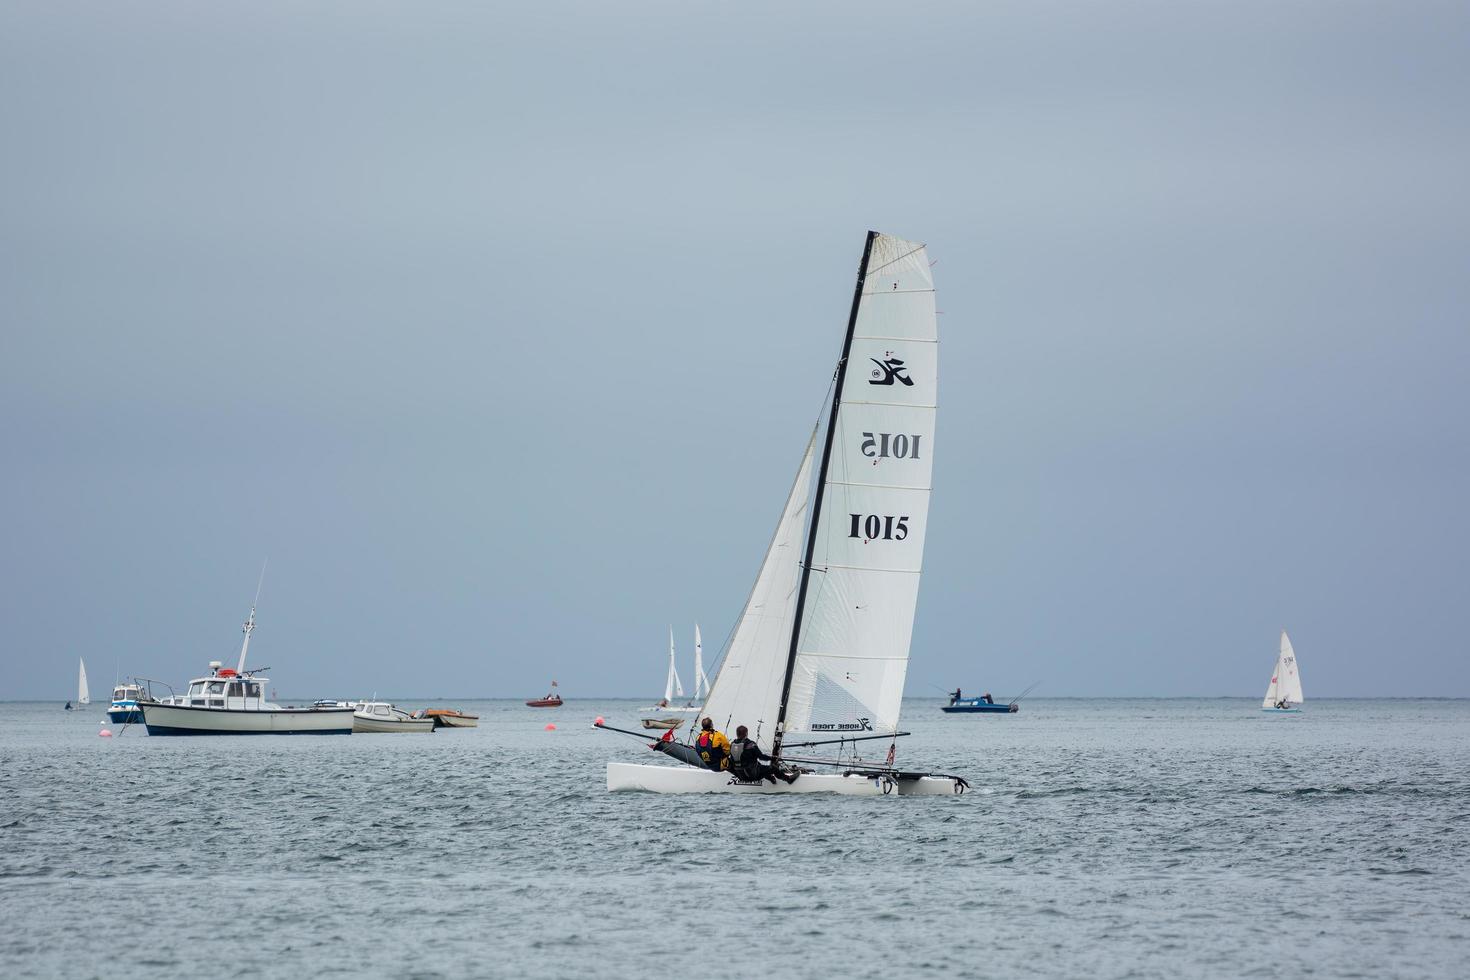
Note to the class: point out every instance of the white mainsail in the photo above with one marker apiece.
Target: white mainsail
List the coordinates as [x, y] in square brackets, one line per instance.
[84, 696]
[868, 548]
[673, 686]
[701, 682]
[747, 687]
[1286, 679]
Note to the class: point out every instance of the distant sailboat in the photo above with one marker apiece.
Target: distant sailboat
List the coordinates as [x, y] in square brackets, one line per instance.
[674, 687]
[83, 695]
[1285, 690]
[701, 682]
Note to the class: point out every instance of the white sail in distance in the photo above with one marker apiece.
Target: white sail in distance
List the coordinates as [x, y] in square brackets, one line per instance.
[747, 687]
[673, 686]
[1286, 679]
[701, 682]
[857, 619]
[84, 696]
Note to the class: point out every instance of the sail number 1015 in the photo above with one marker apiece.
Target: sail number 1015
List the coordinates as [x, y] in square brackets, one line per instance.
[872, 527]
[882, 445]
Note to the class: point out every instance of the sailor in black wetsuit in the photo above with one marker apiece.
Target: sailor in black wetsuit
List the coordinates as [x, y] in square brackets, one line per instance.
[746, 757]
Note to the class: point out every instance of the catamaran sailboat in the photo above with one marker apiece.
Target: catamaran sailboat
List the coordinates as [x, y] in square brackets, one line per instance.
[1285, 690]
[820, 652]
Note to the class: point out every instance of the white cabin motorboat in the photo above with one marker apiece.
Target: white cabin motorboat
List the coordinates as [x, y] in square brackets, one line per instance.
[232, 702]
[380, 717]
[124, 708]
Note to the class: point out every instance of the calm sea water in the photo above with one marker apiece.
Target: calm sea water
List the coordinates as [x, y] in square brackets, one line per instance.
[1103, 838]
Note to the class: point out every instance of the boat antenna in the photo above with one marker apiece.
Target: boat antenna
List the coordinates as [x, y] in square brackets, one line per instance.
[249, 626]
[816, 513]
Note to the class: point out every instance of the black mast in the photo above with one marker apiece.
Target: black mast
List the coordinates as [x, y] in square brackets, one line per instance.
[811, 538]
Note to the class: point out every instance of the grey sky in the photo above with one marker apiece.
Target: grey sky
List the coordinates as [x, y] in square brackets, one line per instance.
[500, 329]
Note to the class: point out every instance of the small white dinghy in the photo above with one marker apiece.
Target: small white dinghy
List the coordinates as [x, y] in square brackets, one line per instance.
[1285, 690]
[381, 717]
[820, 659]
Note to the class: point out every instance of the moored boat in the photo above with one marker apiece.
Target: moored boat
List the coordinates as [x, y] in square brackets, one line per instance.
[662, 724]
[232, 702]
[450, 718]
[236, 718]
[124, 708]
[380, 717]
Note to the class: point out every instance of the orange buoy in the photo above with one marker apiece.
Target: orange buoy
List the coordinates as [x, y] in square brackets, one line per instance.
[598, 721]
[550, 727]
[104, 734]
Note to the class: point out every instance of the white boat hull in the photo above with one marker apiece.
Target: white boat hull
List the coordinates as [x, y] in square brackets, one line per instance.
[459, 721]
[386, 725]
[175, 719]
[635, 777]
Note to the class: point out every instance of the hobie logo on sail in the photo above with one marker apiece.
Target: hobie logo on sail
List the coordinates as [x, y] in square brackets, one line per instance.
[861, 725]
[889, 370]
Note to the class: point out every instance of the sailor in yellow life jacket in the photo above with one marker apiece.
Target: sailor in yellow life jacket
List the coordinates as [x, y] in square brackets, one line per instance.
[713, 747]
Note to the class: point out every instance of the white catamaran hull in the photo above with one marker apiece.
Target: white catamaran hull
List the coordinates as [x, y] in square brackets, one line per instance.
[172, 719]
[631, 777]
